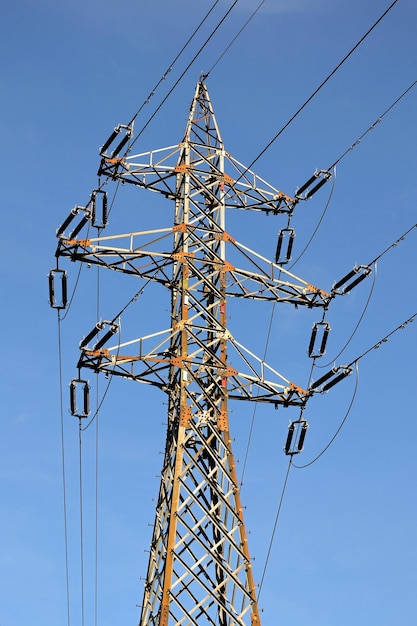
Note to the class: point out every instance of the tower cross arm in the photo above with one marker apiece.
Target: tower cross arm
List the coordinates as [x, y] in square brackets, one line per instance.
[137, 253]
[159, 171]
[244, 189]
[261, 279]
[150, 359]
[155, 170]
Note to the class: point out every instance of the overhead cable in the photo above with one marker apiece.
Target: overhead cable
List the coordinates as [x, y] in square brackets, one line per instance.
[197, 54]
[372, 126]
[379, 343]
[319, 178]
[394, 244]
[235, 37]
[171, 65]
[339, 372]
[64, 480]
[317, 225]
[315, 92]
[81, 523]
[327, 446]
[274, 528]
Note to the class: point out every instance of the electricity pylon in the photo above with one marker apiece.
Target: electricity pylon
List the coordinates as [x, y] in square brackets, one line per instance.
[199, 568]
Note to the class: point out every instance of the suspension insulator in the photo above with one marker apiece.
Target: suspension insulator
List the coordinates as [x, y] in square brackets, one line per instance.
[80, 225]
[68, 221]
[346, 371]
[60, 300]
[343, 280]
[101, 221]
[306, 185]
[288, 234]
[108, 335]
[323, 378]
[322, 329]
[289, 438]
[84, 342]
[78, 386]
[325, 175]
[296, 435]
[123, 142]
[300, 445]
[336, 380]
[109, 141]
[361, 272]
[121, 145]
[311, 193]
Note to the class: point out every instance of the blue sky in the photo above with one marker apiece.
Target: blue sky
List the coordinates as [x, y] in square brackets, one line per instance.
[345, 549]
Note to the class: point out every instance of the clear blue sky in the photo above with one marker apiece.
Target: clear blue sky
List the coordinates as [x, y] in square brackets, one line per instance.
[345, 549]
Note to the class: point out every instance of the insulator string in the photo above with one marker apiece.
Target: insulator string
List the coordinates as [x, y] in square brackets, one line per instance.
[339, 427]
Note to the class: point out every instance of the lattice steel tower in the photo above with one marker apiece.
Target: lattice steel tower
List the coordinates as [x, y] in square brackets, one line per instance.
[199, 568]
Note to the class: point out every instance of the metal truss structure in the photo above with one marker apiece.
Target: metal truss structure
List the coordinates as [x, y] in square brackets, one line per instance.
[199, 570]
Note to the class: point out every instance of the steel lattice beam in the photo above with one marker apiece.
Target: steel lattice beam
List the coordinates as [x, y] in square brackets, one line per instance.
[199, 568]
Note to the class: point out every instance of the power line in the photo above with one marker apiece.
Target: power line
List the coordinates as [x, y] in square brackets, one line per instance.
[353, 333]
[64, 487]
[81, 521]
[316, 91]
[339, 428]
[113, 321]
[355, 362]
[274, 528]
[235, 37]
[96, 472]
[268, 336]
[372, 126]
[324, 179]
[394, 244]
[317, 225]
[173, 62]
[184, 72]
[379, 343]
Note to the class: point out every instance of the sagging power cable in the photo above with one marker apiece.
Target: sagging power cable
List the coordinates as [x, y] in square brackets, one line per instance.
[342, 423]
[345, 370]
